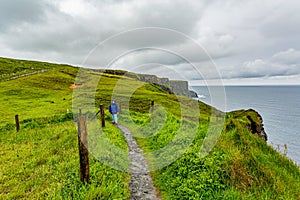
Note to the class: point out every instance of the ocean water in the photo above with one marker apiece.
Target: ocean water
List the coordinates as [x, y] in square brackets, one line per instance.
[279, 107]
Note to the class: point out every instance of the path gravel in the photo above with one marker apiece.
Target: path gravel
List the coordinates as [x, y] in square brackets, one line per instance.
[140, 184]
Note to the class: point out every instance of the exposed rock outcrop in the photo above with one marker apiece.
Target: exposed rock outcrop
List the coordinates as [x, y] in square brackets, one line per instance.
[256, 125]
[193, 94]
[250, 119]
[177, 87]
[180, 87]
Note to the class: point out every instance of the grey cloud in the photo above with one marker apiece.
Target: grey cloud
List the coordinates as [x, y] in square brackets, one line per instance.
[275, 66]
[178, 15]
[174, 14]
[16, 12]
[66, 33]
[282, 21]
[244, 38]
[289, 57]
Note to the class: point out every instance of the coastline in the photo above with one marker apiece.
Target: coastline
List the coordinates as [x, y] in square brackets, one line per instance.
[279, 112]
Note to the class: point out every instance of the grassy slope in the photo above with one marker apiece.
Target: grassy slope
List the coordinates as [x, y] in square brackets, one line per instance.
[41, 161]
[39, 95]
[241, 166]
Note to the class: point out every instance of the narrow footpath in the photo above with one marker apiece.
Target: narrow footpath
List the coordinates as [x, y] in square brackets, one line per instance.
[24, 75]
[140, 184]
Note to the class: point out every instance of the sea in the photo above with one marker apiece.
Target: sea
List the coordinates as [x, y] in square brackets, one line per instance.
[279, 107]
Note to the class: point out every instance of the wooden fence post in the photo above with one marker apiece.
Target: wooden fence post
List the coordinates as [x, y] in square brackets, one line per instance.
[102, 115]
[120, 107]
[83, 149]
[17, 123]
[152, 106]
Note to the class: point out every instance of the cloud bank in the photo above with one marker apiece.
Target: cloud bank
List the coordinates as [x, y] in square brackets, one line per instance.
[249, 42]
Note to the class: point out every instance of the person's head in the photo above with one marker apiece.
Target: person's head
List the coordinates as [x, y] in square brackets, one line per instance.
[113, 101]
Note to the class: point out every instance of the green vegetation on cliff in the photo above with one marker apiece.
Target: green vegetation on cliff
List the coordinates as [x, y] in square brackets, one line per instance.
[240, 166]
[41, 161]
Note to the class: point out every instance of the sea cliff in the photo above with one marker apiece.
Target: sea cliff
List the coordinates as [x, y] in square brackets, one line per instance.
[250, 119]
[178, 87]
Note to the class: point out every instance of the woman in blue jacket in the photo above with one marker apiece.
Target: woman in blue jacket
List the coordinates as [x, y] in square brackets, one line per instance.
[114, 110]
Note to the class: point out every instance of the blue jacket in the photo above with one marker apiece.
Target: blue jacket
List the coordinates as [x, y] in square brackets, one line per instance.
[113, 108]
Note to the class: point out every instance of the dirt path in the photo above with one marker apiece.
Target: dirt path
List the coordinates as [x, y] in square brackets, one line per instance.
[24, 75]
[141, 184]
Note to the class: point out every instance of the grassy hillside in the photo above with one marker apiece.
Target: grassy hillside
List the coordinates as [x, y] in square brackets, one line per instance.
[240, 166]
[43, 156]
[41, 161]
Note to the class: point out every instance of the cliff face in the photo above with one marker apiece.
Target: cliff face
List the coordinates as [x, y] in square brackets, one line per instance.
[256, 124]
[251, 119]
[149, 78]
[180, 87]
[177, 87]
[174, 86]
[193, 94]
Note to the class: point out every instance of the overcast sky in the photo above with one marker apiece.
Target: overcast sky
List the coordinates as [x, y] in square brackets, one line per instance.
[247, 42]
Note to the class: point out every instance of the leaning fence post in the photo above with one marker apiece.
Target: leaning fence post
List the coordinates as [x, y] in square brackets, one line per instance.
[102, 115]
[120, 108]
[83, 149]
[17, 122]
[152, 106]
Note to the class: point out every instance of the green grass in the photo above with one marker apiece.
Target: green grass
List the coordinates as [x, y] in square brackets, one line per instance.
[240, 166]
[12, 68]
[38, 95]
[42, 162]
